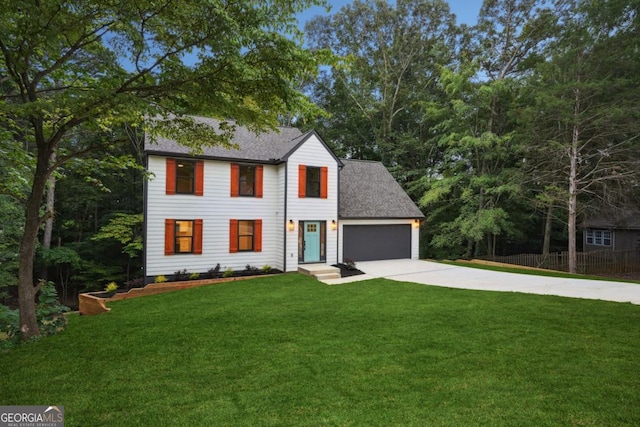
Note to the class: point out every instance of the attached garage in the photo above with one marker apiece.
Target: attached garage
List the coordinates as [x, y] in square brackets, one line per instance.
[376, 242]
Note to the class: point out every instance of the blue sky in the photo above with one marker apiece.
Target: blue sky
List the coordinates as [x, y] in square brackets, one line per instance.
[466, 11]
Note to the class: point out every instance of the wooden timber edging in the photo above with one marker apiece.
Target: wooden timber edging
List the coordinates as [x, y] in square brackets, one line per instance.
[91, 305]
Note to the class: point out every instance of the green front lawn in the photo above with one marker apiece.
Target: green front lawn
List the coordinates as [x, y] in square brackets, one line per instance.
[290, 351]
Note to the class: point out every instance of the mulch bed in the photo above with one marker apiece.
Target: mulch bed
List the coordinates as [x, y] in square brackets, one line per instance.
[347, 270]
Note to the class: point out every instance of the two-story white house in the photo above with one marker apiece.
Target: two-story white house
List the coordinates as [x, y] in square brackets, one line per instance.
[281, 199]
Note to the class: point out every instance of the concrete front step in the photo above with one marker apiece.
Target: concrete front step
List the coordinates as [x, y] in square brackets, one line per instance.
[320, 271]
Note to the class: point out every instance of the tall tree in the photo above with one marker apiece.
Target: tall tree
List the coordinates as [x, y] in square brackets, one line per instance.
[585, 116]
[480, 167]
[94, 65]
[386, 78]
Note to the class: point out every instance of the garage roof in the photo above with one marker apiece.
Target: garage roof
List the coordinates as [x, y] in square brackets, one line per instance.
[369, 191]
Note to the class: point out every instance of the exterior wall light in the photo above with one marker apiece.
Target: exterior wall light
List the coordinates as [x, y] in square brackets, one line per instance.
[334, 225]
[291, 225]
[416, 223]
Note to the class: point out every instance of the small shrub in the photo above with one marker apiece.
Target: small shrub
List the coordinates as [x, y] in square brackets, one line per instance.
[160, 279]
[228, 272]
[266, 268]
[251, 269]
[194, 276]
[213, 272]
[351, 264]
[181, 275]
[135, 283]
[111, 287]
[49, 311]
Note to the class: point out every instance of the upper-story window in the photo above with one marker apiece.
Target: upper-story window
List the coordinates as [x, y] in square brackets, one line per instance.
[598, 237]
[312, 181]
[246, 180]
[185, 177]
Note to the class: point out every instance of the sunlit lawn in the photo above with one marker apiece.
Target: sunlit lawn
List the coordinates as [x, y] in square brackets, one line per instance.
[290, 351]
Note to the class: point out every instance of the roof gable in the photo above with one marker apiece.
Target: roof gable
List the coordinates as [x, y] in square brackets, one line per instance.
[368, 190]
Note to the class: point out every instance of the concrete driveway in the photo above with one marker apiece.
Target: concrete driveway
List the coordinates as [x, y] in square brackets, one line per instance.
[450, 276]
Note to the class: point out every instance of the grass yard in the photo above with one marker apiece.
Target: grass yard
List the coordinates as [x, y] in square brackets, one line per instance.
[289, 351]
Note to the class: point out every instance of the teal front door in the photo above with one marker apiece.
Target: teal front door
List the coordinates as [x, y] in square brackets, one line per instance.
[311, 242]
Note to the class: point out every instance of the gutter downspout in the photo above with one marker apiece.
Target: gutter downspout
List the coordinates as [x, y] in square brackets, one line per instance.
[284, 219]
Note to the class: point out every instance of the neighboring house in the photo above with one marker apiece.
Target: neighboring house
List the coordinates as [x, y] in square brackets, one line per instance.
[616, 232]
[278, 198]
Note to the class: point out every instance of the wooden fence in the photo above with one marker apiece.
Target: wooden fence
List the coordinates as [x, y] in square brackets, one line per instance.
[588, 262]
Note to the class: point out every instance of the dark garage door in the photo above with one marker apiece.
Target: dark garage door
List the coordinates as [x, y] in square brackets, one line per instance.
[374, 242]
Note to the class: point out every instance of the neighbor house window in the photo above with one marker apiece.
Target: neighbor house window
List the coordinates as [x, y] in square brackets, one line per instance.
[246, 180]
[312, 181]
[183, 236]
[245, 235]
[599, 237]
[185, 177]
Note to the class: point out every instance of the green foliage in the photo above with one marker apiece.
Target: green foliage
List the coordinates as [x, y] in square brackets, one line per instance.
[127, 230]
[228, 272]
[266, 268]
[11, 225]
[194, 276]
[160, 279]
[61, 255]
[9, 327]
[49, 312]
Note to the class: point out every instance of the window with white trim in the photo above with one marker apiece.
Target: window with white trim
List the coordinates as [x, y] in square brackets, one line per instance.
[598, 237]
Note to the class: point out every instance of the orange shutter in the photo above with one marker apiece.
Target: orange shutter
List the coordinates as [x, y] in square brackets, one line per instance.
[233, 235]
[324, 172]
[197, 237]
[169, 236]
[302, 181]
[258, 183]
[199, 172]
[171, 176]
[235, 180]
[257, 235]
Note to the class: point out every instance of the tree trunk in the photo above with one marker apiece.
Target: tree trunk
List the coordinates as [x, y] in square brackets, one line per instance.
[48, 225]
[573, 188]
[546, 243]
[26, 289]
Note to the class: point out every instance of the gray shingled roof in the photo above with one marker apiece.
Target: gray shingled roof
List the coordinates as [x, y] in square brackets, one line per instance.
[263, 147]
[368, 190]
[624, 220]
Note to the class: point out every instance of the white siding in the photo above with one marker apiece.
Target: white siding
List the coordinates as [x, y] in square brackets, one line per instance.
[311, 153]
[415, 232]
[215, 208]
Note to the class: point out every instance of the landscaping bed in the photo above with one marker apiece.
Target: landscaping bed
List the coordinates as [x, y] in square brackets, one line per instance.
[93, 303]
